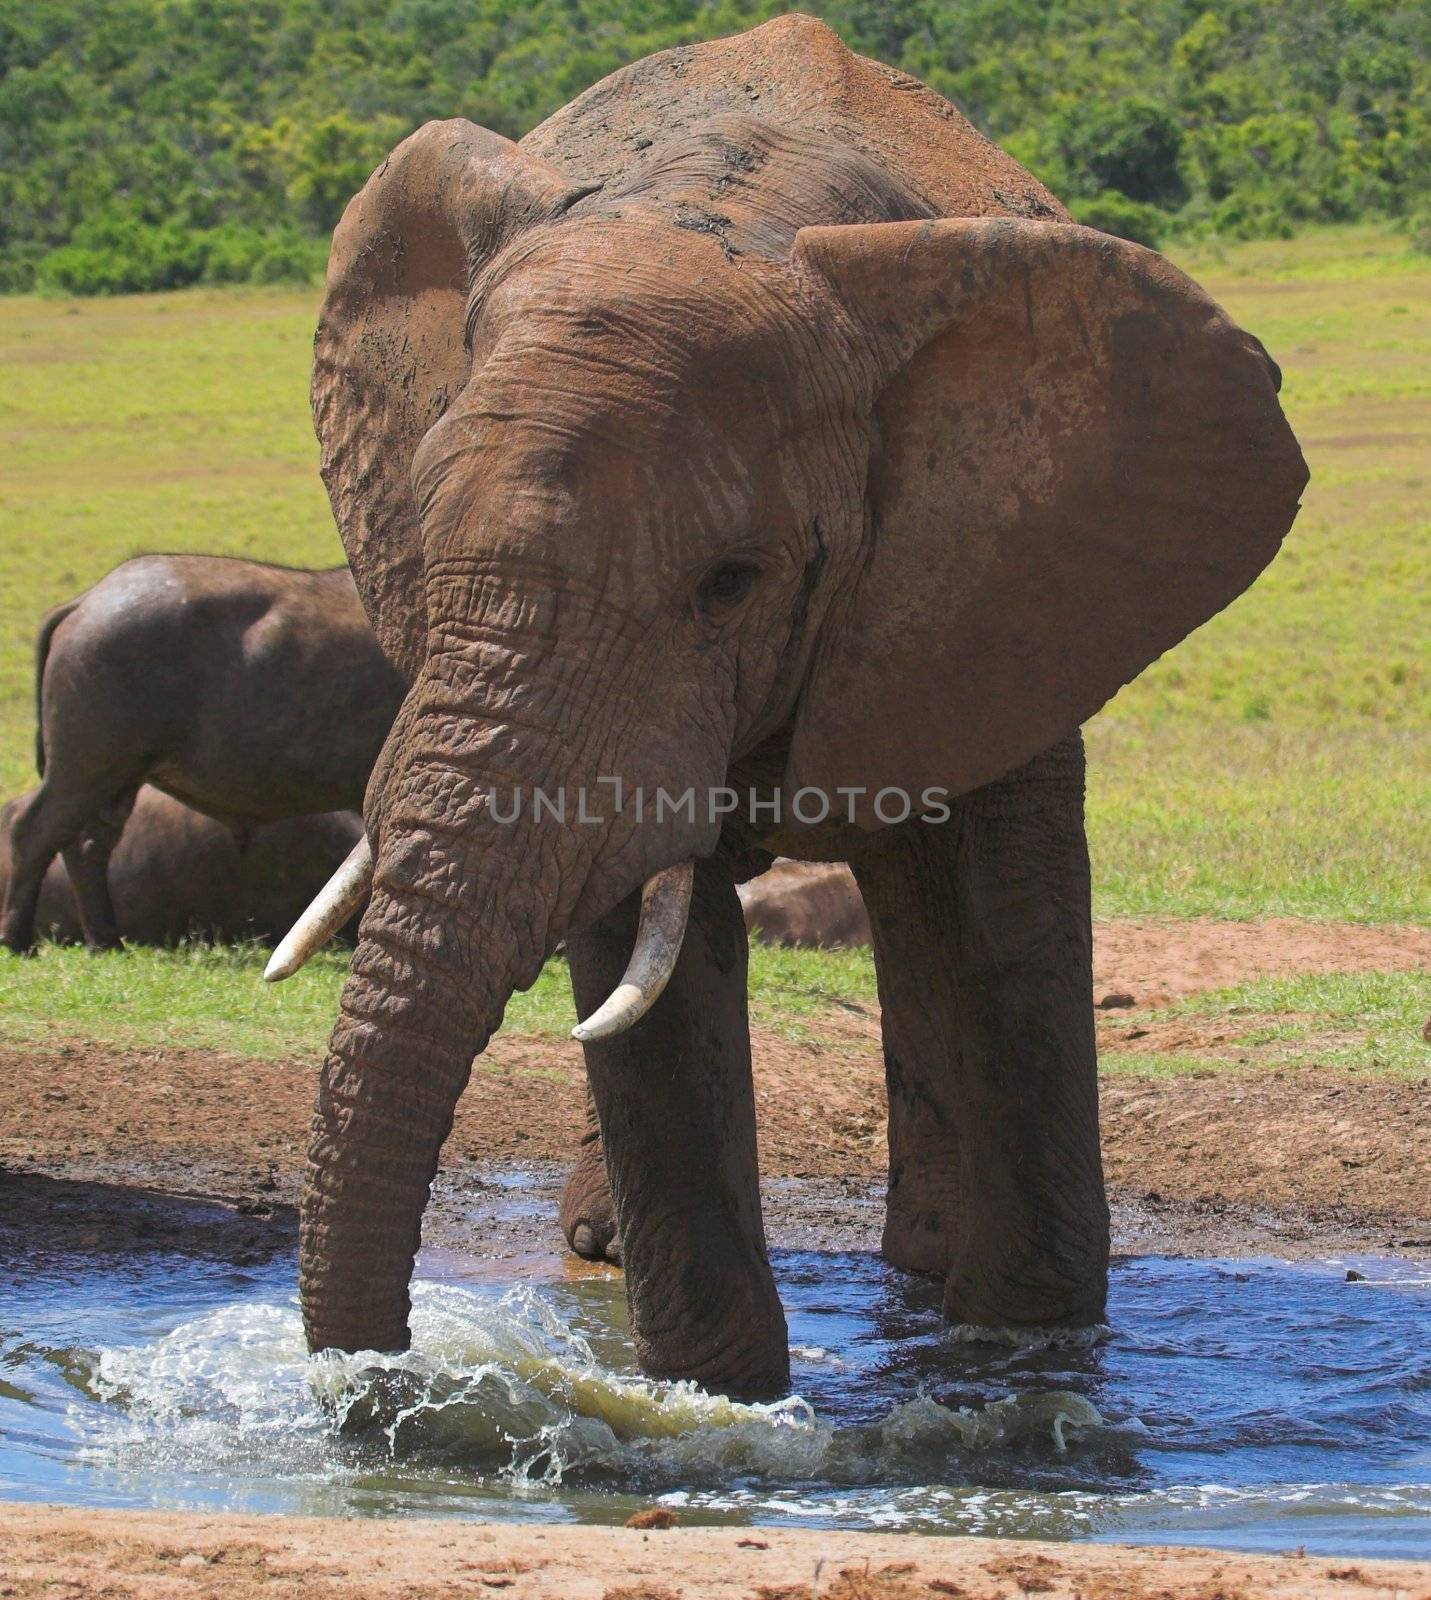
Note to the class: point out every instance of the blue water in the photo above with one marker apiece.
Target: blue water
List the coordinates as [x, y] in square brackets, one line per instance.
[1257, 1405]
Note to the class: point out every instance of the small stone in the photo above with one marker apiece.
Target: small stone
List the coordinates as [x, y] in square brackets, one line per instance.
[653, 1517]
[1353, 1276]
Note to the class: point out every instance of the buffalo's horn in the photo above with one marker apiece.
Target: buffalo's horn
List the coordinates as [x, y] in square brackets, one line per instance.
[336, 901]
[665, 906]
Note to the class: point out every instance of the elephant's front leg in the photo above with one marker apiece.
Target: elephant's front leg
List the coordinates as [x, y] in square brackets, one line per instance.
[998, 1008]
[676, 1108]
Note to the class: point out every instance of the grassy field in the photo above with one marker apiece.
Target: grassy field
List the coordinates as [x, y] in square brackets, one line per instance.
[1276, 762]
[213, 997]
[207, 998]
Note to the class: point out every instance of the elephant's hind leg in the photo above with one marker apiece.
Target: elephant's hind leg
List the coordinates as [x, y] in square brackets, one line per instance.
[998, 1019]
[44, 824]
[1036, 1248]
[588, 1213]
[677, 1113]
[907, 883]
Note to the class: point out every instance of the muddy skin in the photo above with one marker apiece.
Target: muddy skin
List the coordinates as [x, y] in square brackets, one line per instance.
[809, 282]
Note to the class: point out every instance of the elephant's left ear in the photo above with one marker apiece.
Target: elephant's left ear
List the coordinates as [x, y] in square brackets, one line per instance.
[1077, 458]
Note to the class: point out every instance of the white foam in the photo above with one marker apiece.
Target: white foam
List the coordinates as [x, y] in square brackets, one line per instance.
[506, 1386]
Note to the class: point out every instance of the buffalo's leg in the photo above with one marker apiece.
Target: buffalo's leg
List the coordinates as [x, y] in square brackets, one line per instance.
[43, 825]
[997, 1021]
[87, 858]
[588, 1213]
[676, 1109]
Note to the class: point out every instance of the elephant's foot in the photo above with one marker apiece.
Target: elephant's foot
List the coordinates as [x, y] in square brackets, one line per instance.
[1006, 1286]
[103, 944]
[588, 1213]
[921, 1222]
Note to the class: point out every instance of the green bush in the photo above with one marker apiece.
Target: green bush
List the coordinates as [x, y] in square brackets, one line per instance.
[117, 254]
[235, 254]
[1131, 147]
[1128, 219]
[1254, 216]
[195, 129]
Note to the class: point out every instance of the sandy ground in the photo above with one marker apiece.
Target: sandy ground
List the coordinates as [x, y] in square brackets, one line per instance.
[106, 1151]
[147, 1554]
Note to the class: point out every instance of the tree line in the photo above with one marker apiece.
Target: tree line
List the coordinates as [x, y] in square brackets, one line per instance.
[146, 144]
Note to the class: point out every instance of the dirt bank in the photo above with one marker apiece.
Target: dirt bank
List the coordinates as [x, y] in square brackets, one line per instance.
[85, 1555]
[1158, 960]
[1249, 1159]
[1226, 1163]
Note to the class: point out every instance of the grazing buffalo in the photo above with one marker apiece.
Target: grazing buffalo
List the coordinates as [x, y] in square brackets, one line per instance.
[177, 874]
[252, 693]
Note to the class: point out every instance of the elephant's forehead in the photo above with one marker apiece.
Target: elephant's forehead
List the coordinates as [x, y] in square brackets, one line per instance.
[520, 490]
[645, 310]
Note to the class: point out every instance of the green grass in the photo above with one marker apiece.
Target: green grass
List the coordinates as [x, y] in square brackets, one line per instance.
[207, 997]
[163, 422]
[198, 997]
[1276, 762]
[1356, 1022]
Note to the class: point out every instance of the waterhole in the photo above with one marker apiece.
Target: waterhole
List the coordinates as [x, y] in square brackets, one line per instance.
[1258, 1405]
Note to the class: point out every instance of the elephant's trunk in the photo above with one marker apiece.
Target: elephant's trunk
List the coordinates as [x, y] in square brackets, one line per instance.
[466, 905]
[420, 1002]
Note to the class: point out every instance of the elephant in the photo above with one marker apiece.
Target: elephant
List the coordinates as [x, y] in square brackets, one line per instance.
[805, 906]
[754, 429]
[176, 874]
[252, 693]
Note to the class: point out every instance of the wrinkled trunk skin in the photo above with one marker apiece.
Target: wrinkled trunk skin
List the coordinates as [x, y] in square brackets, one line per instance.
[467, 904]
[462, 912]
[420, 1002]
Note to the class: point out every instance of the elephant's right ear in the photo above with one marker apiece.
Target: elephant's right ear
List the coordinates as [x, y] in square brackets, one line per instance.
[1077, 458]
[390, 354]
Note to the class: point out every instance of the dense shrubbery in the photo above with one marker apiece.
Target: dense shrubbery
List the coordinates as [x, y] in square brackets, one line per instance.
[150, 143]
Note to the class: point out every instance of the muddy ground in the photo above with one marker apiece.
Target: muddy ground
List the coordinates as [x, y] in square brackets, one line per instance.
[106, 1151]
[104, 1148]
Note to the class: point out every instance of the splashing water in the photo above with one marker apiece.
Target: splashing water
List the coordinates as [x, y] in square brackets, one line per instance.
[1253, 1404]
[508, 1388]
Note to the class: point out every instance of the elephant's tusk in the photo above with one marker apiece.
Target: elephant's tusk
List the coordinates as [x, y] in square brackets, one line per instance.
[336, 901]
[665, 906]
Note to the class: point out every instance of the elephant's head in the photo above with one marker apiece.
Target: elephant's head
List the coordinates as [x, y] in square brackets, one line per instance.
[898, 506]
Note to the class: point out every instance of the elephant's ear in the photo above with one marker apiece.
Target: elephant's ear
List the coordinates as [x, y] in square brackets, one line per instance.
[390, 356]
[1076, 459]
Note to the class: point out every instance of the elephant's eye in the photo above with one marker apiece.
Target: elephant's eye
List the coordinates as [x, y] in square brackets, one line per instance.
[725, 585]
